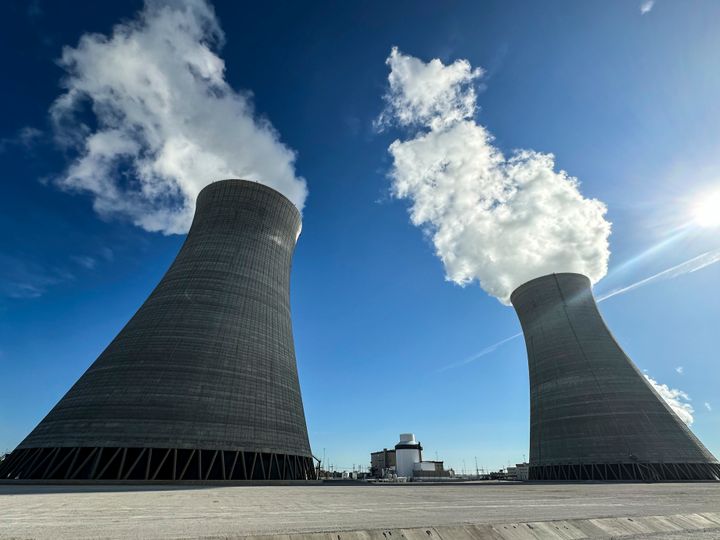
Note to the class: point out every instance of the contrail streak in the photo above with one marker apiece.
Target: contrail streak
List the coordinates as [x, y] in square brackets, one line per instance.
[673, 237]
[687, 267]
[692, 265]
[486, 350]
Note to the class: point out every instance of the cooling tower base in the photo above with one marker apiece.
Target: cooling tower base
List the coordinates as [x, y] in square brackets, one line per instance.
[620, 472]
[147, 464]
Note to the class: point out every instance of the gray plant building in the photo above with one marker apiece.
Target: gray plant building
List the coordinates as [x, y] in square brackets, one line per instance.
[202, 382]
[593, 415]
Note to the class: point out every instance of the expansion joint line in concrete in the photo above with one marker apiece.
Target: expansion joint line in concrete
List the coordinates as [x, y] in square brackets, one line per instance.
[591, 368]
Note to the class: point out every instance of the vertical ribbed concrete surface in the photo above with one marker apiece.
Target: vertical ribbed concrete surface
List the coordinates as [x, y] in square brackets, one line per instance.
[593, 415]
[204, 374]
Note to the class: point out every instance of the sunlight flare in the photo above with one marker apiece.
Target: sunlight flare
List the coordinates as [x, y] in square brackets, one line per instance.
[707, 211]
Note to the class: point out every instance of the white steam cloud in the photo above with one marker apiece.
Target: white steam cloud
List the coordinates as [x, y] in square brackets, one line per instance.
[498, 220]
[153, 119]
[676, 399]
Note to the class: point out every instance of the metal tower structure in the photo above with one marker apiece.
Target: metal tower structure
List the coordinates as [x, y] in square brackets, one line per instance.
[593, 415]
[201, 384]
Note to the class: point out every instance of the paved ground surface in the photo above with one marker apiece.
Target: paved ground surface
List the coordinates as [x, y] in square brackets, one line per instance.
[64, 512]
[698, 535]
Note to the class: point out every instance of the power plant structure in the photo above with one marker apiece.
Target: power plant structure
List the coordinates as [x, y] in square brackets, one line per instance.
[202, 382]
[404, 462]
[593, 415]
[408, 455]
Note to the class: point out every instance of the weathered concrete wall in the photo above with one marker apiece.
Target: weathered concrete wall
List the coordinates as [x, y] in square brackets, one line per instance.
[208, 361]
[589, 403]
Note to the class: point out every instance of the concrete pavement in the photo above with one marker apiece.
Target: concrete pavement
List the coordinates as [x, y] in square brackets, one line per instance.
[162, 512]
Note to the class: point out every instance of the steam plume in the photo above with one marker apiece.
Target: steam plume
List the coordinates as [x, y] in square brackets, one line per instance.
[152, 119]
[498, 220]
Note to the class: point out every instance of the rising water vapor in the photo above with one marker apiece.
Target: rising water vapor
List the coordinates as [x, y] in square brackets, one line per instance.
[150, 119]
[498, 220]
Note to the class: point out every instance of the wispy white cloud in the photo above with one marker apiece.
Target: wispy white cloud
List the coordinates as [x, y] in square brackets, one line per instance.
[29, 135]
[166, 121]
[676, 399]
[708, 406]
[494, 219]
[680, 370]
[34, 9]
[26, 137]
[85, 261]
[107, 254]
[25, 279]
[689, 266]
[646, 6]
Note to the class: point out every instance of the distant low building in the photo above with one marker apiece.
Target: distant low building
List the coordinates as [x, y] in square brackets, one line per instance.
[518, 472]
[431, 469]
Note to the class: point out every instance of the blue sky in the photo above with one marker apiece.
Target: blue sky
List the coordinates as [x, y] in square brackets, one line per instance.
[627, 103]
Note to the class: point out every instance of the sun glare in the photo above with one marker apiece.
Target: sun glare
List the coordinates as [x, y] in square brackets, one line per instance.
[707, 211]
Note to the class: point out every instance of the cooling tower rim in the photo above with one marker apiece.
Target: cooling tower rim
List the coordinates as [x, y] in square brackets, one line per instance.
[215, 184]
[535, 281]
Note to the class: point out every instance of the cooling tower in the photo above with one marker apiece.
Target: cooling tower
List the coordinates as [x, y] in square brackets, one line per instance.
[201, 384]
[593, 415]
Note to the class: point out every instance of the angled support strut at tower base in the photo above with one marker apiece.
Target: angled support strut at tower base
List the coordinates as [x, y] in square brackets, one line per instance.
[202, 383]
[159, 464]
[593, 415]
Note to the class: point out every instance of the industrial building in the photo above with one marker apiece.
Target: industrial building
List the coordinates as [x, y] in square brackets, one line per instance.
[593, 416]
[405, 461]
[202, 383]
[381, 461]
[518, 472]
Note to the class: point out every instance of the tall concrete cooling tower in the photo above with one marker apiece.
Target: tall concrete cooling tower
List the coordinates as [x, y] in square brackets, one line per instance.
[201, 384]
[593, 415]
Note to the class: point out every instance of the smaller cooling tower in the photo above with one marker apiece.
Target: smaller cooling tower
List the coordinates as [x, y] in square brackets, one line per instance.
[593, 415]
